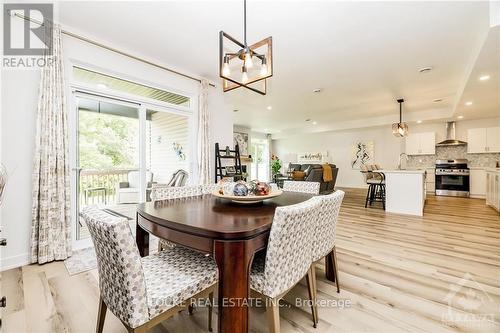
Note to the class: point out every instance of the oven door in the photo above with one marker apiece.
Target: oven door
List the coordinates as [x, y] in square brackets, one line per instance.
[453, 185]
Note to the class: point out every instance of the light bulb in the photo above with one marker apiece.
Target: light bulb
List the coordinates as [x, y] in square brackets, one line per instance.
[244, 77]
[248, 59]
[225, 69]
[263, 70]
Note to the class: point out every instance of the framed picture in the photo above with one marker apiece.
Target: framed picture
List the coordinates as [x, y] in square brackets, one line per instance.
[230, 170]
[311, 157]
[362, 154]
[241, 139]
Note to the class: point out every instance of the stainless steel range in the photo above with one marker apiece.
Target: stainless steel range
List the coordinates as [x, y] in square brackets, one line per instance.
[452, 178]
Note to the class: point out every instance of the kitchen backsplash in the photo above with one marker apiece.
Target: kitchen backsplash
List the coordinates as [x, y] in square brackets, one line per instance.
[453, 152]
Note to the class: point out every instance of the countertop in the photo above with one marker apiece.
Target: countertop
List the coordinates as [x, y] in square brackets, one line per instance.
[403, 171]
[497, 170]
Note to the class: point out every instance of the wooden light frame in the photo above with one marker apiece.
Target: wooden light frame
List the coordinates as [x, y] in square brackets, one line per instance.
[229, 83]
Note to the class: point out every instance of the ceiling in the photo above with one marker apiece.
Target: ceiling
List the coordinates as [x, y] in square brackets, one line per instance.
[363, 55]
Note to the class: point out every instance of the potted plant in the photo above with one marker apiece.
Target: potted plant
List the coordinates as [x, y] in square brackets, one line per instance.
[275, 165]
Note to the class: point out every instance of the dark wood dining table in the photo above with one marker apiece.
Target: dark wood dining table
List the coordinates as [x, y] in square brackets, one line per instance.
[231, 232]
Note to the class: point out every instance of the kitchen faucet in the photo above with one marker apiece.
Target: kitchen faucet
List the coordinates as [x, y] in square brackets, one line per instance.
[399, 163]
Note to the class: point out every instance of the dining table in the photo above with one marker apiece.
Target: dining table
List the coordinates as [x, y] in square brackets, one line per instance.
[231, 232]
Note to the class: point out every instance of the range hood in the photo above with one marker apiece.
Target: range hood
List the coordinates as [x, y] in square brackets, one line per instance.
[450, 136]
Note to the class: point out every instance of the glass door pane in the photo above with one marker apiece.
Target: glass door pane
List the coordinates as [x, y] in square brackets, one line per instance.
[108, 157]
[167, 149]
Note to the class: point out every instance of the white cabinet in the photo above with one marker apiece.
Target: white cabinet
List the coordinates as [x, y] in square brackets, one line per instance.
[493, 139]
[493, 189]
[483, 140]
[421, 143]
[477, 183]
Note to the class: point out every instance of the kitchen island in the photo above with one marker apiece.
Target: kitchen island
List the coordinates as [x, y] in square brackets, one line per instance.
[405, 191]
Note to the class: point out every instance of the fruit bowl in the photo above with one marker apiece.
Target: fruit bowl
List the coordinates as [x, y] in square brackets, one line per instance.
[248, 199]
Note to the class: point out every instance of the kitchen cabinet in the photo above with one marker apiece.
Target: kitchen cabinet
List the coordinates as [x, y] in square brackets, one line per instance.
[477, 183]
[421, 143]
[493, 189]
[483, 140]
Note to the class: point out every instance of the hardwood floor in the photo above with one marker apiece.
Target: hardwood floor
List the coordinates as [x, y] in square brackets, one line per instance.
[438, 273]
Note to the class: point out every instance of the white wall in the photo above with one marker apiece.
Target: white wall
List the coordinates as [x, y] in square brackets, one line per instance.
[19, 94]
[386, 151]
[339, 145]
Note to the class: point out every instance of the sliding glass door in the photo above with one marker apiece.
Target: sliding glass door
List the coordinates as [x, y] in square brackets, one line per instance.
[108, 156]
[167, 148]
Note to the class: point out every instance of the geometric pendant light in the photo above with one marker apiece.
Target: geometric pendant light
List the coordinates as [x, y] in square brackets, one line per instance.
[243, 65]
[400, 129]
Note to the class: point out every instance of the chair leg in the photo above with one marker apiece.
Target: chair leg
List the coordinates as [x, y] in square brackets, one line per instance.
[273, 315]
[335, 267]
[367, 195]
[210, 309]
[101, 315]
[311, 288]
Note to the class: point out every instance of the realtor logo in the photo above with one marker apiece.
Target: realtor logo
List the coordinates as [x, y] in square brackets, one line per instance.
[25, 37]
[468, 302]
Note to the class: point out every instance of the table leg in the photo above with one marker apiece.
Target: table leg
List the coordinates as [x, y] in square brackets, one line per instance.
[233, 260]
[329, 268]
[142, 239]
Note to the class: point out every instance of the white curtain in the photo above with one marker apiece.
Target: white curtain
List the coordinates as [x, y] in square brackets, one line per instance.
[51, 224]
[204, 136]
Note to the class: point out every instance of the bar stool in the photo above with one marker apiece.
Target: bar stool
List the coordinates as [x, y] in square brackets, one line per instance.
[376, 185]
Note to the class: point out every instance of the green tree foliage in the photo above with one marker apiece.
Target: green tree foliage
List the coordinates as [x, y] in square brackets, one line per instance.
[107, 141]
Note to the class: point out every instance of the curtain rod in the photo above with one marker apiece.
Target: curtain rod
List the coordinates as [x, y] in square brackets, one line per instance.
[90, 41]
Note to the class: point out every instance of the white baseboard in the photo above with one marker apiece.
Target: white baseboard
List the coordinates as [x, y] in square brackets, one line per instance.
[14, 261]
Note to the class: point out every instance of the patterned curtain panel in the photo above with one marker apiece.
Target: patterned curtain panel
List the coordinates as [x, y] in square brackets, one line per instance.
[51, 225]
[204, 136]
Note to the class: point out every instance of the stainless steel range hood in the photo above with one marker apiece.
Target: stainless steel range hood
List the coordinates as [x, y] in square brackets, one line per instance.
[450, 136]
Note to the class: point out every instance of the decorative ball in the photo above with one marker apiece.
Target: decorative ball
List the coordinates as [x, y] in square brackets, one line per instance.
[240, 189]
[262, 188]
[228, 188]
[251, 185]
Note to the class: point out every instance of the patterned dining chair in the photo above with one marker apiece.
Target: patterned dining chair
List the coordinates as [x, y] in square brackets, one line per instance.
[142, 292]
[209, 188]
[288, 258]
[300, 186]
[165, 192]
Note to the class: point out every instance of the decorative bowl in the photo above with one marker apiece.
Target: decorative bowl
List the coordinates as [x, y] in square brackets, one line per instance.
[248, 199]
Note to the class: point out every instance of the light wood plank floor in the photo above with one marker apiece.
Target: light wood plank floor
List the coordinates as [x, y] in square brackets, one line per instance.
[439, 273]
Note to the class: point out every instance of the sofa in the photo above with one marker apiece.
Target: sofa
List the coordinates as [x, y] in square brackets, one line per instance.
[314, 173]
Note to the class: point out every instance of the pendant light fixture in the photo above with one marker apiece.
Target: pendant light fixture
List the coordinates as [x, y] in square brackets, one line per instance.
[400, 129]
[243, 65]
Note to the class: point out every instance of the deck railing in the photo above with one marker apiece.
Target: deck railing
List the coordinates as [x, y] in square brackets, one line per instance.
[92, 179]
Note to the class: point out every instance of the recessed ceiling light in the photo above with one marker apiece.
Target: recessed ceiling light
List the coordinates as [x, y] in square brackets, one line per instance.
[460, 117]
[317, 90]
[266, 129]
[419, 121]
[437, 100]
[469, 103]
[484, 77]
[102, 86]
[425, 69]
[308, 119]
[269, 107]
[315, 123]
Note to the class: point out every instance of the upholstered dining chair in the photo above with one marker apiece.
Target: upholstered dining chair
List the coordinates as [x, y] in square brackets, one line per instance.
[324, 231]
[142, 292]
[288, 258]
[300, 186]
[209, 188]
[165, 192]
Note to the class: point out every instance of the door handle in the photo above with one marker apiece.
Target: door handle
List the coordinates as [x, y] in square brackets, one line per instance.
[3, 302]
[3, 241]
